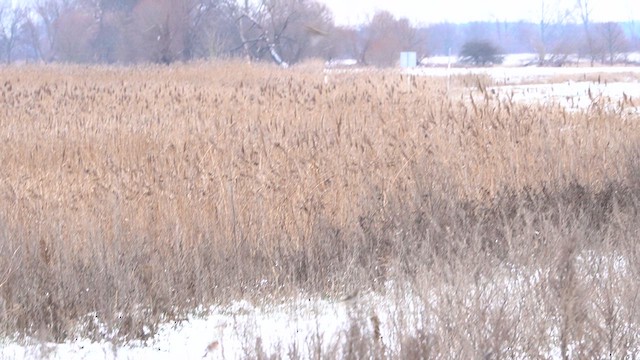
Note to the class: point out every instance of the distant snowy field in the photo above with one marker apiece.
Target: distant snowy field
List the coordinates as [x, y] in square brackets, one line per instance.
[623, 97]
[519, 60]
[515, 75]
[573, 87]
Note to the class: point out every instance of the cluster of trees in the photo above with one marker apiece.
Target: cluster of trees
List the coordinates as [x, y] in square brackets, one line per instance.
[563, 29]
[282, 31]
[554, 42]
[164, 31]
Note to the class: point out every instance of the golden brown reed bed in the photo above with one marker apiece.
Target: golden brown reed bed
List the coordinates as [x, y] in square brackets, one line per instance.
[137, 193]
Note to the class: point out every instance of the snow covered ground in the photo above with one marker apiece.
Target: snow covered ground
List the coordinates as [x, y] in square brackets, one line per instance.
[550, 85]
[303, 326]
[223, 333]
[520, 60]
[509, 60]
[531, 74]
[319, 328]
[622, 96]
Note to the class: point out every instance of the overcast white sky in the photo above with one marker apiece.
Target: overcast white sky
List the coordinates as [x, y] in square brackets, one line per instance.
[353, 12]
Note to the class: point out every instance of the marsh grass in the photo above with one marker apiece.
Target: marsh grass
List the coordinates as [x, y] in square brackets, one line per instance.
[137, 194]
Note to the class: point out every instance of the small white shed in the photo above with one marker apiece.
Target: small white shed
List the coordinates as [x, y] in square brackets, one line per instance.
[408, 59]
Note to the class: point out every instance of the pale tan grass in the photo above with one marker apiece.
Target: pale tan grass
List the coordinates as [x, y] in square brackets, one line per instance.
[145, 191]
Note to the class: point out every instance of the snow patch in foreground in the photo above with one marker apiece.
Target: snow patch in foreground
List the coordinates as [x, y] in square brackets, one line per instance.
[319, 328]
[302, 326]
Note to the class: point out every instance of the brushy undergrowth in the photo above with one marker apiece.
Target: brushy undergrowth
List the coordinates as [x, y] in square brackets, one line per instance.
[136, 194]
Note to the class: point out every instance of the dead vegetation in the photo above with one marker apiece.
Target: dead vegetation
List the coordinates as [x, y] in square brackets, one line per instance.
[135, 194]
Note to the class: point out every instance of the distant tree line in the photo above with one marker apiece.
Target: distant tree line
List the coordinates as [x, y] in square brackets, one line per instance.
[281, 31]
[554, 43]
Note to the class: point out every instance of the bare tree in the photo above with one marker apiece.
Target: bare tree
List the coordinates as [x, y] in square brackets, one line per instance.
[541, 44]
[111, 21]
[613, 40]
[75, 31]
[129, 30]
[164, 31]
[186, 28]
[384, 38]
[551, 43]
[12, 21]
[308, 33]
[41, 27]
[222, 36]
[344, 43]
[32, 37]
[260, 30]
[155, 32]
[201, 20]
[584, 9]
[284, 30]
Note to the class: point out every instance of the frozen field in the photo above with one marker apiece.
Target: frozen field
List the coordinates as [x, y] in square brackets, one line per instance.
[616, 88]
[618, 96]
[518, 75]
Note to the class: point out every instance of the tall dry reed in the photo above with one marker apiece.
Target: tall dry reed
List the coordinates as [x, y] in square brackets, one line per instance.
[132, 195]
